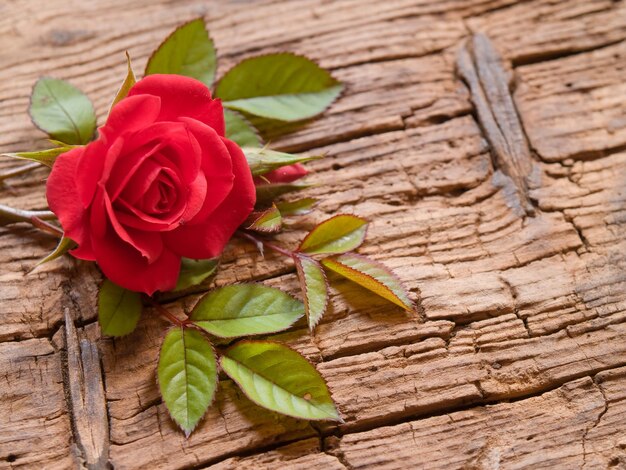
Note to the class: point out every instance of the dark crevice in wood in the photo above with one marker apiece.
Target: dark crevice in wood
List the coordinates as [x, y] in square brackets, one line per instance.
[480, 66]
[555, 55]
[86, 398]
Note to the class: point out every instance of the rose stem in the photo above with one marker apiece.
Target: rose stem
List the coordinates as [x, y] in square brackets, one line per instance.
[266, 244]
[19, 170]
[165, 313]
[11, 215]
[46, 227]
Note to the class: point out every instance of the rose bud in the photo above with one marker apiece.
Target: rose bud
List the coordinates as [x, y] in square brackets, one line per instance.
[285, 174]
[160, 183]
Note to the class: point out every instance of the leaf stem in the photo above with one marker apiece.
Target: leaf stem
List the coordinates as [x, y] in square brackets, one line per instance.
[19, 170]
[166, 313]
[265, 243]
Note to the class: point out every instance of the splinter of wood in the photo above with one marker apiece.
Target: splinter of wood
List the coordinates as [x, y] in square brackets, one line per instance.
[480, 66]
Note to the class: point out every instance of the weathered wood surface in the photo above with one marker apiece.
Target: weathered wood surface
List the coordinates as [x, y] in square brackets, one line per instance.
[486, 139]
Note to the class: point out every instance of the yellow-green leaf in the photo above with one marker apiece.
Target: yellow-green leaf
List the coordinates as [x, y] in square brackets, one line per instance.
[299, 207]
[127, 84]
[268, 221]
[187, 51]
[279, 379]
[187, 374]
[45, 157]
[118, 309]
[63, 111]
[194, 272]
[338, 234]
[65, 245]
[246, 309]
[240, 130]
[372, 275]
[314, 287]
[279, 86]
[264, 160]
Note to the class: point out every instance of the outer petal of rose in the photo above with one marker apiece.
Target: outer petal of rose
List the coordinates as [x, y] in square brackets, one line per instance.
[216, 164]
[131, 114]
[286, 174]
[64, 201]
[208, 239]
[182, 96]
[126, 267]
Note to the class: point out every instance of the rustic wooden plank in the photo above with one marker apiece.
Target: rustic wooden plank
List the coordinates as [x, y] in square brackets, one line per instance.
[566, 428]
[509, 307]
[35, 429]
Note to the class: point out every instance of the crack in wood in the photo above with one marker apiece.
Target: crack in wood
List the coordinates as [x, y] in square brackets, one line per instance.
[87, 400]
[480, 66]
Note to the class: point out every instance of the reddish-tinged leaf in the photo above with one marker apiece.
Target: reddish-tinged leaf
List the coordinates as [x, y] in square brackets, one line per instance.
[268, 221]
[314, 287]
[299, 207]
[372, 275]
[338, 234]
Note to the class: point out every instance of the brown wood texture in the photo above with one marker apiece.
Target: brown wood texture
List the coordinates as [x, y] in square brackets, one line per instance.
[486, 141]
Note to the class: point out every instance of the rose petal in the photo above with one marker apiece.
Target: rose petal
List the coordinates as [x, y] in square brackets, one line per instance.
[127, 268]
[182, 96]
[208, 239]
[64, 200]
[131, 114]
[216, 164]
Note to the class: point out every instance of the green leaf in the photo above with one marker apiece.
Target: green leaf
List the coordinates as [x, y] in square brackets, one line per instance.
[314, 286]
[194, 272]
[63, 111]
[187, 375]
[267, 193]
[280, 86]
[187, 51]
[45, 157]
[299, 207]
[240, 131]
[279, 379]
[338, 234]
[264, 160]
[128, 83]
[65, 245]
[246, 309]
[268, 221]
[372, 275]
[118, 309]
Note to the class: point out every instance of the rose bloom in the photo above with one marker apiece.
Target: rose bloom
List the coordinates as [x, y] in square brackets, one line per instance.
[161, 182]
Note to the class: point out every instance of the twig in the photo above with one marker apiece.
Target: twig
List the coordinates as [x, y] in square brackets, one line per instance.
[19, 170]
[165, 313]
[265, 243]
[11, 215]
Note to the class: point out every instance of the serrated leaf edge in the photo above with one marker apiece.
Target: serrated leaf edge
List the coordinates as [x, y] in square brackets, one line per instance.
[217, 382]
[98, 309]
[380, 265]
[366, 224]
[339, 420]
[300, 272]
[340, 84]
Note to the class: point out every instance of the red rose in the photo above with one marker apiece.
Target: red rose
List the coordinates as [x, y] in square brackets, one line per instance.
[161, 182]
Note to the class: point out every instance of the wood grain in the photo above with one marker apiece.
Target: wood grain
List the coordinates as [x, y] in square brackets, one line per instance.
[504, 214]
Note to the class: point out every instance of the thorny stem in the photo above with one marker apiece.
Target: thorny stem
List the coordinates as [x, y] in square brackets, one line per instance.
[165, 313]
[11, 215]
[46, 227]
[265, 243]
[19, 170]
